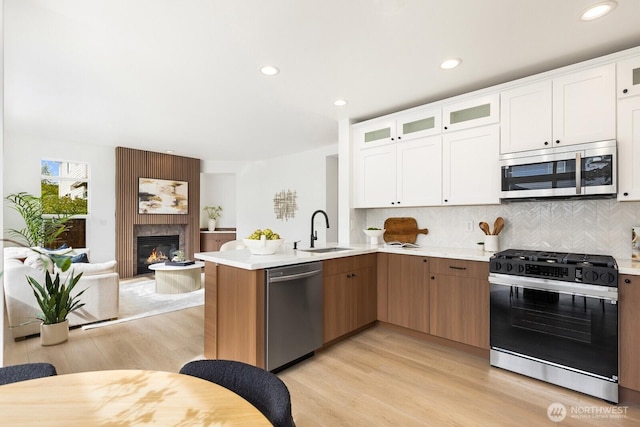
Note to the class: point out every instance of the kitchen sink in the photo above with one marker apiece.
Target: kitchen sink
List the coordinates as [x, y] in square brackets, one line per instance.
[323, 250]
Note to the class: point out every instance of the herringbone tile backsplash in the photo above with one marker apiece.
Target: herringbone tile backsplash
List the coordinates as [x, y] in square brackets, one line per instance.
[586, 226]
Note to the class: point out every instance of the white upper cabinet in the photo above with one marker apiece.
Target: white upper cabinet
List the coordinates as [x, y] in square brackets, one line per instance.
[416, 124]
[629, 77]
[584, 106]
[571, 109]
[467, 114]
[471, 170]
[376, 177]
[629, 149]
[408, 173]
[525, 118]
[375, 133]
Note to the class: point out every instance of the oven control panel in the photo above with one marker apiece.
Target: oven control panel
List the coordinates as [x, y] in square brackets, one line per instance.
[587, 274]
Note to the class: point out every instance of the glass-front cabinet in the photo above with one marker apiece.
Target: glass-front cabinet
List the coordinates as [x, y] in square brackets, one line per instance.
[629, 77]
[404, 127]
[467, 114]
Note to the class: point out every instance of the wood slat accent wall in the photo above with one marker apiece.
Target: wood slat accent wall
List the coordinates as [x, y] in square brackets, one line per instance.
[132, 164]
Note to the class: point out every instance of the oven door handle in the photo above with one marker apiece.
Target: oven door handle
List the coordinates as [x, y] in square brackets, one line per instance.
[578, 173]
[570, 288]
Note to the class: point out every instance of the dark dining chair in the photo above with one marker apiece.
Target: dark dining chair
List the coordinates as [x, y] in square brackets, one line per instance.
[261, 388]
[27, 371]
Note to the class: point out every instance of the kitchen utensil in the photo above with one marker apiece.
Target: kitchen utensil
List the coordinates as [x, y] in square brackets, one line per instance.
[484, 227]
[498, 226]
[402, 229]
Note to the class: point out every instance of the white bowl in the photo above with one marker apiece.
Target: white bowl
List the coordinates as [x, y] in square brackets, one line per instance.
[263, 247]
[374, 235]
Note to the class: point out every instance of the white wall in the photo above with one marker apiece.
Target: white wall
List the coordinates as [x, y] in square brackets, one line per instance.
[258, 183]
[218, 189]
[21, 171]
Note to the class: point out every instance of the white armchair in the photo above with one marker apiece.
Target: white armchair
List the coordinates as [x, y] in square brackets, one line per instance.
[100, 280]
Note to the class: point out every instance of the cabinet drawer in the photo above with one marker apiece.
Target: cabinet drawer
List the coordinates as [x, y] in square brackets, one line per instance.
[347, 264]
[458, 267]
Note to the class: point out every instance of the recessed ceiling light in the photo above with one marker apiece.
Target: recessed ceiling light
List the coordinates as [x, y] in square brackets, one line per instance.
[269, 70]
[340, 102]
[598, 10]
[450, 63]
[168, 151]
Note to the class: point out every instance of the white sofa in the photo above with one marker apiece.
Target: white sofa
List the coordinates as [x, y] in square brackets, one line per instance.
[100, 280]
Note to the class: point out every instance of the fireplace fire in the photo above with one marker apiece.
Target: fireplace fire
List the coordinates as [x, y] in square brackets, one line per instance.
[155, 249]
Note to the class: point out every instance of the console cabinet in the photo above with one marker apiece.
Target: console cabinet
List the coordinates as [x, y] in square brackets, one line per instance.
[349, 294]
[629, 317]
[459, 301]
[211, 241]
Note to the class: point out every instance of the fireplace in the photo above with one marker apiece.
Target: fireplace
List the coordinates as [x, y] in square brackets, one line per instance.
[155, 249]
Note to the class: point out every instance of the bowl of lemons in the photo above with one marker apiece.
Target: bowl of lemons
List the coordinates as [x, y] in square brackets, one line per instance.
[263, 242]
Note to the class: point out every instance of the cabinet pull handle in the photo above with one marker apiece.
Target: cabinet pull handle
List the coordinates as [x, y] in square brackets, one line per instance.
[627, 281]
[457, 268]
[625, 91]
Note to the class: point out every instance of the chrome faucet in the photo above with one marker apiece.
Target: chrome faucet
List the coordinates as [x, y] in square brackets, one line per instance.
[314, 234]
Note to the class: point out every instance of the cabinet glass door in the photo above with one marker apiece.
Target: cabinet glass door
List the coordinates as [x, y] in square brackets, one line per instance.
[629, 77]
[419, 124]
[477, 112]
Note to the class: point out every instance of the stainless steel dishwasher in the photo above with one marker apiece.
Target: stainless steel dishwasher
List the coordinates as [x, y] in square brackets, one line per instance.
[293, 313]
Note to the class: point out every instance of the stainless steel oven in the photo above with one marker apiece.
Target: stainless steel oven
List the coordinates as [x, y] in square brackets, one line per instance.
[554, 317]
[569, 171]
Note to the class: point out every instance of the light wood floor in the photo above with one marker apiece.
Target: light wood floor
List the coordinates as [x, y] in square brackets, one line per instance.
[377, 378]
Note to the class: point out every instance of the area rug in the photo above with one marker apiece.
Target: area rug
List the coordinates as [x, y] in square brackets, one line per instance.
[138, 300]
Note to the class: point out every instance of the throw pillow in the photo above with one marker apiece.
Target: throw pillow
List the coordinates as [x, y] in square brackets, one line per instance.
[80, 258]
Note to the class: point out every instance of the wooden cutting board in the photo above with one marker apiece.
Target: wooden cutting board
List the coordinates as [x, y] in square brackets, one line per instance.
[402, 229]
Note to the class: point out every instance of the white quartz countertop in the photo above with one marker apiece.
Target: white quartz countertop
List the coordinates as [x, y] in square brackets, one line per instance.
[288, 256]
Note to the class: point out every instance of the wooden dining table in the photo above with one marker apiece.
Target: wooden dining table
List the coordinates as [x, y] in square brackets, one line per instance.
[124, 398]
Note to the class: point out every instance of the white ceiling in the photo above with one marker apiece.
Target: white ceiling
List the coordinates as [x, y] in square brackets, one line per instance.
[183, 74]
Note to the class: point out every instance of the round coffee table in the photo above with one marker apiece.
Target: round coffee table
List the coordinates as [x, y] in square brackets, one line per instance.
[174, 279]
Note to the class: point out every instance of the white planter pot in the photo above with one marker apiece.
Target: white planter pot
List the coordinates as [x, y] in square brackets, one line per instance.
[54, 334]
[212, 224]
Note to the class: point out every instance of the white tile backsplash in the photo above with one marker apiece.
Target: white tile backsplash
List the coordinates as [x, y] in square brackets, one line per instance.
[587, 226]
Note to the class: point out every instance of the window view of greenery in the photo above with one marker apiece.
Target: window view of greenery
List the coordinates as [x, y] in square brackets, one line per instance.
[64, 187]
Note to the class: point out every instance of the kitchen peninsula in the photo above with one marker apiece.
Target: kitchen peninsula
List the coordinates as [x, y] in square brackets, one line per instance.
[235, 293]
[439, 294]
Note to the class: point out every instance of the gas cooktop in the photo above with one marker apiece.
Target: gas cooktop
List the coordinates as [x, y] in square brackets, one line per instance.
[568, 267]
[558, 257]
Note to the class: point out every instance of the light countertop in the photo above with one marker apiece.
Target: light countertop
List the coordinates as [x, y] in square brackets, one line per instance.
[288, 256]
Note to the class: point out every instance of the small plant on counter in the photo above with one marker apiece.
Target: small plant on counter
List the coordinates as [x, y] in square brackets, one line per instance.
[214, 212]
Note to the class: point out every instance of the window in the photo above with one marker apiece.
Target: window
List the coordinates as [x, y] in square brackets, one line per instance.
[64, 187]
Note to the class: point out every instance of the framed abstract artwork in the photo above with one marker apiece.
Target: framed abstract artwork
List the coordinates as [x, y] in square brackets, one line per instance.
[161, 196]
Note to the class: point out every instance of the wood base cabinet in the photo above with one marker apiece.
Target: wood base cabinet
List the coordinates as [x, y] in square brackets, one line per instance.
[349, 294]
[408, 291]
[459, 301]
[629, 317]
[211, 241]
[234, 326]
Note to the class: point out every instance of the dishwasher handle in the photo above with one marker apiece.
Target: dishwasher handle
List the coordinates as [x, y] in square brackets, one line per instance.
[294, 276]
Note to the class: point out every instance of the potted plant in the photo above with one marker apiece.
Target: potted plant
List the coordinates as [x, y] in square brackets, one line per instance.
[214, 212]
[40, 230]
[55, 299]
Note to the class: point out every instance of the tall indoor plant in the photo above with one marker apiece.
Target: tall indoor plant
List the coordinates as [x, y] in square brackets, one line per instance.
[40, 230]
[214, 212]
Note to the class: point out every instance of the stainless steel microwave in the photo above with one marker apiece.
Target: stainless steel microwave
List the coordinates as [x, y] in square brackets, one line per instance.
[565, 171]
